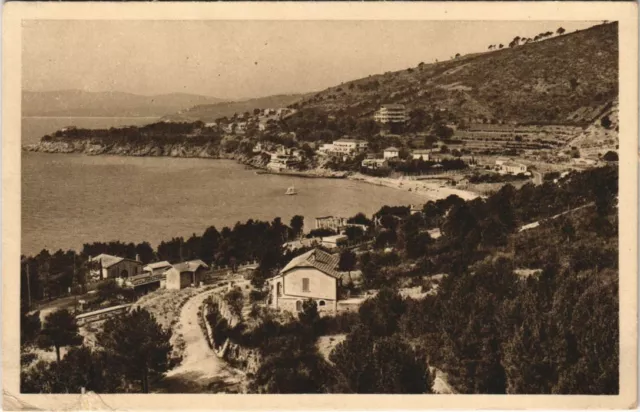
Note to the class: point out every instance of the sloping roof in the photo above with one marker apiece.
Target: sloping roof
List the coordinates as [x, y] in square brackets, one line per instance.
[390, 149]
[421, 151]
[510, 164]
[393, 106]
[316, 258]
[158, 265]
[190, 266]
[107, 260]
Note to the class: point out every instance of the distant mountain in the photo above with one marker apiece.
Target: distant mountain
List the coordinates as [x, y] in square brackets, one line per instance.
[563, 79]
[211, 112]
[107, 104]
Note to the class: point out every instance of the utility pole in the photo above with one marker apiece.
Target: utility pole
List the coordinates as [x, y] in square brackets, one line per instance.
[28, 286]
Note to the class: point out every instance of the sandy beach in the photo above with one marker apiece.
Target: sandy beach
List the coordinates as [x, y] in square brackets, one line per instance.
[430, 190]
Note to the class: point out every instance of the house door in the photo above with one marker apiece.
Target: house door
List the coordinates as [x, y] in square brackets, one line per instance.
[299, 306]
[124, 274]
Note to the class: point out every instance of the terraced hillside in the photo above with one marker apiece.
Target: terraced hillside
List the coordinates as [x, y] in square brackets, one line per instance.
[564, 80]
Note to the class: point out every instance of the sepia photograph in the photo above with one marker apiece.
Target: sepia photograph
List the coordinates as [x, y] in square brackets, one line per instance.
[290, 206]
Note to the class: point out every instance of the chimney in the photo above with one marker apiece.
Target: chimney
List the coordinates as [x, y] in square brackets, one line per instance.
[138, 257]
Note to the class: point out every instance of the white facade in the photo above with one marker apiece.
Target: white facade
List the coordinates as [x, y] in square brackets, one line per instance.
[391, 113]
[349, 146]
[513, 168]
[312, 275]
[391, 153]
[420, 154]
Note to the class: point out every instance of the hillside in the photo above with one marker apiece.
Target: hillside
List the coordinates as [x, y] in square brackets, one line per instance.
[567, 79]
[211, 112]
[107, 104]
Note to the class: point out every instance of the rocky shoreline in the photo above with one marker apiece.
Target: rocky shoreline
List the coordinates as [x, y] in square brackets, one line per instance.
[176, 150]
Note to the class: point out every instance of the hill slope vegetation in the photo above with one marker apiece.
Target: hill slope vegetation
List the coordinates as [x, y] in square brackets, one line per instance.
[568, 79]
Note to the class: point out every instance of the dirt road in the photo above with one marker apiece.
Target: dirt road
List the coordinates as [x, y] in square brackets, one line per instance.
[201, 371]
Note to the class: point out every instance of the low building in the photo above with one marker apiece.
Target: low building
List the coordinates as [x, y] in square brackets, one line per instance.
[185, 274]
[334, 223]
[391, 153]
[106, 266]
[156, 268]
[312, 275]
[391, 113]
[513, 168]
[334, 242]
[374, 163]
[421, 154]
[349, 146]
[326, 148]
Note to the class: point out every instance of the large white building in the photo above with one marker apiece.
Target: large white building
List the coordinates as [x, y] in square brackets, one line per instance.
[349, 146]
[391, 113]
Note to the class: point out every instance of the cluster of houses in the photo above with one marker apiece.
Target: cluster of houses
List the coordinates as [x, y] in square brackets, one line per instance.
[131, 273]
[241, 122]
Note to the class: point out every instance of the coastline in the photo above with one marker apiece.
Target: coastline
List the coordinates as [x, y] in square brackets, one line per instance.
[426, 190]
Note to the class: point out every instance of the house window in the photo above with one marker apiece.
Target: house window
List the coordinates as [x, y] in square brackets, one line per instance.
[305, 284]
[299, 306]
[321, 303]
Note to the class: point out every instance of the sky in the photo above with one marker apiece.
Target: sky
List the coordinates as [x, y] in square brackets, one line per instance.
[243, 59]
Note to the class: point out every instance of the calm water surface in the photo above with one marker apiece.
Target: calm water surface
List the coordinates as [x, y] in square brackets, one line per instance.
[71, 199]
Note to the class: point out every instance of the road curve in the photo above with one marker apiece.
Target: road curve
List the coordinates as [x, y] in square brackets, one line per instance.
[201, 371]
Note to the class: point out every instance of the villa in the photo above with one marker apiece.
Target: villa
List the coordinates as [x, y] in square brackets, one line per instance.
[312, 275]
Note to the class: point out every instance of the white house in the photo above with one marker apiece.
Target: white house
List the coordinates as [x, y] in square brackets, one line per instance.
[391, 153]
[512, 168]
[420, 154]
[349, 146]
[312, 275]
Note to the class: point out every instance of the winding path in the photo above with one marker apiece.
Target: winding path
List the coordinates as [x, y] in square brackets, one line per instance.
[201, 371]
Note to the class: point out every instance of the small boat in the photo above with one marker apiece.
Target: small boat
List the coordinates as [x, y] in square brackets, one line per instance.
[291, 191]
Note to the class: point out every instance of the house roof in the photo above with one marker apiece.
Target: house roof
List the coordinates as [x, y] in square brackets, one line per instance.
[421, 151]
[391, 149]
[190, 266]
[316, 258]
[393, 106]
[109, 260]
[350, 141]
[512, 164]
[158, 265]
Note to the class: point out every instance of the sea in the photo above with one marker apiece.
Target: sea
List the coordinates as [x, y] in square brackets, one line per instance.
[72, 199]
